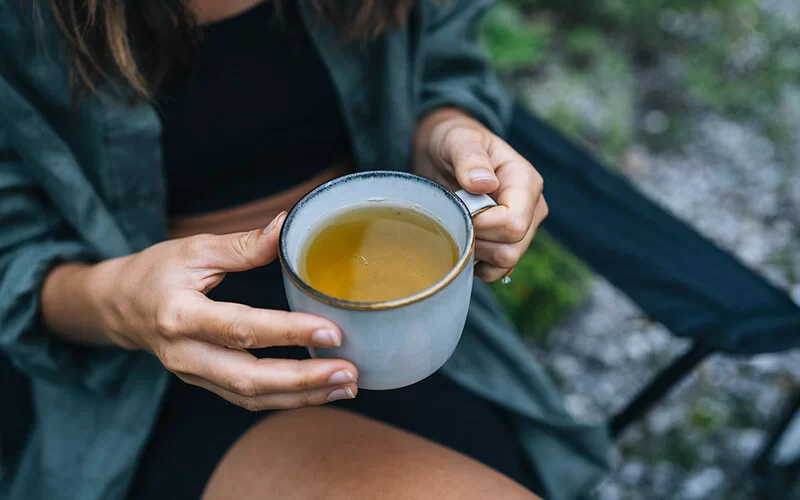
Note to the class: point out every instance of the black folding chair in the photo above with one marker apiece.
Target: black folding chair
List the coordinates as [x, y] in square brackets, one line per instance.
[675, 275]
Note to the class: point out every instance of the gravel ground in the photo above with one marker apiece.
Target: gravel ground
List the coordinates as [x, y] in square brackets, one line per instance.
[730, 181]
[694, 444]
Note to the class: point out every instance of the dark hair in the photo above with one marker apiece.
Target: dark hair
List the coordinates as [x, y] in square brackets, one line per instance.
[142, 40]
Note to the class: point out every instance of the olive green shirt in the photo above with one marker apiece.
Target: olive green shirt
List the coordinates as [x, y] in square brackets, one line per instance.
[85, 181]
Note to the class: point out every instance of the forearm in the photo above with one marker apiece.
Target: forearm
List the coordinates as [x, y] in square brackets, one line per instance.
[71, 304]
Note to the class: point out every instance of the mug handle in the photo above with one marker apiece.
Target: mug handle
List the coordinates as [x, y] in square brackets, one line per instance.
[476, 203]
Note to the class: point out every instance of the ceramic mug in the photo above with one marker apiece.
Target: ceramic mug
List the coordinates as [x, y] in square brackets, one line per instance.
[398, 342]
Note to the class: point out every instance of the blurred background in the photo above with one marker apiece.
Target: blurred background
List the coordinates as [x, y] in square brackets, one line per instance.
[697, 102]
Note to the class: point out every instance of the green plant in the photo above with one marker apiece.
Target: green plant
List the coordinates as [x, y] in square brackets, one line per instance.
[513, 42]
[547, 283]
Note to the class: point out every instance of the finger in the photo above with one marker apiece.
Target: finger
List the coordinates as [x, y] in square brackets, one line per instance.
[280, 401]
[489, 273]
[520, 189]
[541, 213]
[241, 373]
[464, 152]
[242, 251]
[237, 325]
[503, 256]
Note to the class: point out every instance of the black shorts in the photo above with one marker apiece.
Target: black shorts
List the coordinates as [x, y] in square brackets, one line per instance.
[195, 427]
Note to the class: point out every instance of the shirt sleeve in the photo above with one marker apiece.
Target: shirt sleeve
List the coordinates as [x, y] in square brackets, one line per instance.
[455, 69]
[33, 239]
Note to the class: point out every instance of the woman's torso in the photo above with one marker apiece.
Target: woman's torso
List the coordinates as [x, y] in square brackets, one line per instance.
[252, 127]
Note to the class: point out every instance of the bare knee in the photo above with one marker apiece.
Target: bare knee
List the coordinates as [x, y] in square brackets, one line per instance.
[325, 452]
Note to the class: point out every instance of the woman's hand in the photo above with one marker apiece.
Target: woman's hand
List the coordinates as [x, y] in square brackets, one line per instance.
[155, 300]
[460, 153]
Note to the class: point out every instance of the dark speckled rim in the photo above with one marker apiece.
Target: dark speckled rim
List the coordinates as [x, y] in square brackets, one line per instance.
[463, 260]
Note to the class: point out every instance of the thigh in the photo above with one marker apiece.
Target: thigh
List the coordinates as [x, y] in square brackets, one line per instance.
[440, 410]
[328, 453]
[196, 428]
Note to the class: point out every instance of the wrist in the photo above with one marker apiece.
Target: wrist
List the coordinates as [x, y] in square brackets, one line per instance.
[102, 287]
[75, 305]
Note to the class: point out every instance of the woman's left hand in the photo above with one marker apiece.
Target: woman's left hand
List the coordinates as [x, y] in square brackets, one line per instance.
[459, 152]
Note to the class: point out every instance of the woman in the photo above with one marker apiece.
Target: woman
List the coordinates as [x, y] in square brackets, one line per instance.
[145, 147]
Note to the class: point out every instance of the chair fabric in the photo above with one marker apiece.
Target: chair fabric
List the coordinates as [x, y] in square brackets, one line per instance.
[676, 276]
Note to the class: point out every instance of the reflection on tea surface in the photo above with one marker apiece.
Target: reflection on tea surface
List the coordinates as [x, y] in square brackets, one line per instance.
[378, 253]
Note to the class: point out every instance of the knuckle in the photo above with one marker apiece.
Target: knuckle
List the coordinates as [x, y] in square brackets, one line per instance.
[287, 333]
[241, 333]
[505, 257]
[240, 246]
[516, 229]
[472, 158]
[244, 385]
[302, 383]
[292, 336]
[171, 361]
[305, 399]
[538, 180]
[169, 319]
[250, 404]
[545, 209]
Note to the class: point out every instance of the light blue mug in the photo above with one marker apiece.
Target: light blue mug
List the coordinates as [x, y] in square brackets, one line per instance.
[398, 342]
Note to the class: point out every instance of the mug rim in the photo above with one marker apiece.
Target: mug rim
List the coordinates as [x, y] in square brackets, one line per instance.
[463, 260]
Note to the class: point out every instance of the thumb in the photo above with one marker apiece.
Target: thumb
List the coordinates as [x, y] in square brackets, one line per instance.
[238, 252]
[464, 150]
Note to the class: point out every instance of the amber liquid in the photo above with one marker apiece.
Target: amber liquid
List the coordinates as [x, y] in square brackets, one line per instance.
[375, 254]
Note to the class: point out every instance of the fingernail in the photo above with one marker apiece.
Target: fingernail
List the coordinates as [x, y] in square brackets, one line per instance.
[275, 222]
[345, 393]
[325, 337]
[481, 175]
[341, 377]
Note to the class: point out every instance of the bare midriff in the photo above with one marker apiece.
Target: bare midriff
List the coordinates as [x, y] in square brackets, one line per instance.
[255, 214]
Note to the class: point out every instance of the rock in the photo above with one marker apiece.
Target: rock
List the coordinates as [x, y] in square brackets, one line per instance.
[664, 480]
[745, 443]
[608, 491]
[579, 406]
[567, 366]
[610, 354]
[702, 485]
[637, 346]
[789, 448]
[795, 293]
[661, 421]
[632, 473]
[659, 338]
[766, 363]
[656, 122]
[768, 399]
[635, 162]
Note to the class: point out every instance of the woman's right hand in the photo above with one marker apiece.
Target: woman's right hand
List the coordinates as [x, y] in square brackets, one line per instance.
[155, 300]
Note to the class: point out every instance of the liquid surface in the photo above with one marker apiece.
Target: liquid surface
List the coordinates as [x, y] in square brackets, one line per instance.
[375, 254]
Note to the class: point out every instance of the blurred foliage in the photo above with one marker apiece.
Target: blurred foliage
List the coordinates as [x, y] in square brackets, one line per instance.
[511, 41]
[546, 284]
[735, 58]
[728, 56]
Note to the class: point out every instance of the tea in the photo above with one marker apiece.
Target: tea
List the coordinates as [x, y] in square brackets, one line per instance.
[378, 253]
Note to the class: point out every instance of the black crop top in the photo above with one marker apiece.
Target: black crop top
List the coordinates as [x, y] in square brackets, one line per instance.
[257, 115]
